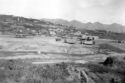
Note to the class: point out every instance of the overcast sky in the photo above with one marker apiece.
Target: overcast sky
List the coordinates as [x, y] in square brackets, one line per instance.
[105, 11]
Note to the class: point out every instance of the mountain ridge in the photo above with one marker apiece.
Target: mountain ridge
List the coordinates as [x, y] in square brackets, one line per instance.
[114, 27]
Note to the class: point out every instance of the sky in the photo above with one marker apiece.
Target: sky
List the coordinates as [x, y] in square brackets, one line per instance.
[104, 11]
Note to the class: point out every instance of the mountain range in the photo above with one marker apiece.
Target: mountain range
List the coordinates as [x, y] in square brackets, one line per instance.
[115, 27]
[90, 26]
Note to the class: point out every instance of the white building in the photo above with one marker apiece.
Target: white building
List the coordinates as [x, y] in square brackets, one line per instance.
[52, 33]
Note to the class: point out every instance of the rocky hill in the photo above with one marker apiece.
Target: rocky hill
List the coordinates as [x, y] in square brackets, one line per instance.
[10, 23]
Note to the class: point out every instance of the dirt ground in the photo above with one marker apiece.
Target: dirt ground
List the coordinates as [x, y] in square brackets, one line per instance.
[42, 44]
[45, 50]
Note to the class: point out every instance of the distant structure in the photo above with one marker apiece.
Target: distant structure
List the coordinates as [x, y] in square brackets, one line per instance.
[20, 35]
[52, 33]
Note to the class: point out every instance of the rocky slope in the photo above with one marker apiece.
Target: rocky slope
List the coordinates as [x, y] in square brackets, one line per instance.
[18, 71]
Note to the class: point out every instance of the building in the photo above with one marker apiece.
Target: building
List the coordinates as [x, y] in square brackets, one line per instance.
[56, 29]
[52, 33]
[20, 35]
[90, 37]
[77, 33]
